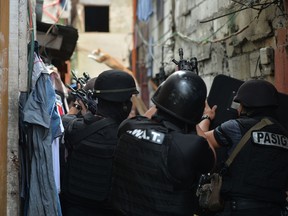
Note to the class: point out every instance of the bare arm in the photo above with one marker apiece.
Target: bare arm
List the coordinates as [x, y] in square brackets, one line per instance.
[203, 126]
[110, 61]
[150, 112]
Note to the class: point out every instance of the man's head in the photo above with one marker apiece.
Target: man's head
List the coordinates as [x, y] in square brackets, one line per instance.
[115, 86]
[114, 89]
[183, 96]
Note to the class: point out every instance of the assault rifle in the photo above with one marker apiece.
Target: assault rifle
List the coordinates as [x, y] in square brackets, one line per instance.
[80, 80]
[186, 65]
[161, 76]
[86, 96]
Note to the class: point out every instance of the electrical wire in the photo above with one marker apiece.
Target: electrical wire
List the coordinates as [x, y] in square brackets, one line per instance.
[185, 37]
[162, 40]
[257, 63]
[32, 47]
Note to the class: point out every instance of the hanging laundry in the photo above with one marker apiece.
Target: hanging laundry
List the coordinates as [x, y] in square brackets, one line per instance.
[40, 112]
[144, 10]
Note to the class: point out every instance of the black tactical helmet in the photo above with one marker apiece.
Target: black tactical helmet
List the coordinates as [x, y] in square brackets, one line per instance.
[114, 85]
[90, 84]
[257, 93]
[182, 95]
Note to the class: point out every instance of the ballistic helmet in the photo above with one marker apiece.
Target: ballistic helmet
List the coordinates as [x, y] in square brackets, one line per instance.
[115, 85]
[183, 96]
[257, 93]
[90, 84]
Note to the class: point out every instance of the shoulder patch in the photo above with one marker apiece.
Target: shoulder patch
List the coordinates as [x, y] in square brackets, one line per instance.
[149, 135]
[270, 139]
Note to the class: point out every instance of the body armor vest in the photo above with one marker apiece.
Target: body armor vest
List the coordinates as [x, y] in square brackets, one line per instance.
[142, 184]
[260, 169]
[90, 165]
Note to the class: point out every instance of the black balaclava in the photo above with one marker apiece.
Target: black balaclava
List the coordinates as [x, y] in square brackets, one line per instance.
[118, 111]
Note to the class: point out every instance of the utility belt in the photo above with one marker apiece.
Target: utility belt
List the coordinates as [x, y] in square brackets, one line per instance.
[241, 204]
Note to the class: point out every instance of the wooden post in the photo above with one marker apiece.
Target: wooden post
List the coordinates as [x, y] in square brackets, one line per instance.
[134, 51]
[281, 61]
[4, 44]
[281, 58]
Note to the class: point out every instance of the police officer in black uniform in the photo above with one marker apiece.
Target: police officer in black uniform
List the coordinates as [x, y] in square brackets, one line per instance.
[158, 160]
[256, 181]
[91, 140]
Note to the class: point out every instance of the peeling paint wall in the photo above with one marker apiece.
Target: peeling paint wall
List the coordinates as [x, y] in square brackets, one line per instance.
[13, 73]
[117, 42]
[225, 36]
[121, 16]
[16, 83]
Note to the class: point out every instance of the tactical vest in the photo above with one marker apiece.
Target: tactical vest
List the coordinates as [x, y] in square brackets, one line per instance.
[90, 165]
[142, 184]
[260, 170]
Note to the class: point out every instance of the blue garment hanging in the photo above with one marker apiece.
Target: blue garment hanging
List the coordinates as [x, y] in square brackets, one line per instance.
[144, 10]
[39, 113]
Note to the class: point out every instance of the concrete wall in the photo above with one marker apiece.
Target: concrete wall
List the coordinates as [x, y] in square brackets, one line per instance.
[13, 73]
[17, 33]
[225, 37]
[117, 42]
[121, 16]
[17, 83]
